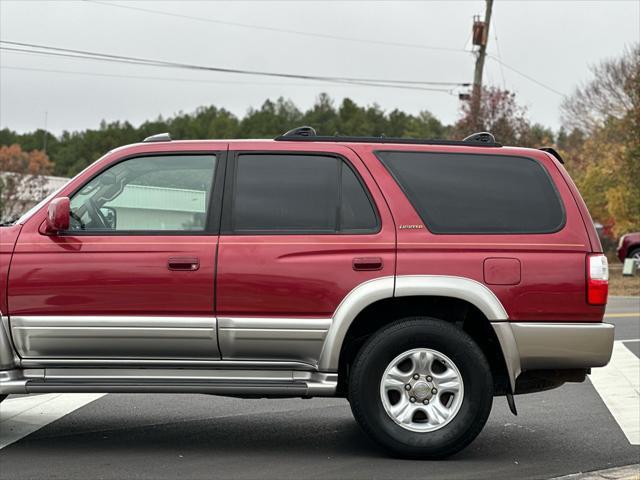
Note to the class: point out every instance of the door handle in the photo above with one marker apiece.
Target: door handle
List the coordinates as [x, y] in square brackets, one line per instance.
[189, 264]
[367, 263]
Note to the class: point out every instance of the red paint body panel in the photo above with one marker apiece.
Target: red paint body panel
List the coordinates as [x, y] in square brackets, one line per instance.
[92, 275]
[296, 275]
[8, 237]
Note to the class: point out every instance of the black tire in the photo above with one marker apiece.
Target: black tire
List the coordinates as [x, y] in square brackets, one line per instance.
[402, 336]
[2, 397]
[634, 252]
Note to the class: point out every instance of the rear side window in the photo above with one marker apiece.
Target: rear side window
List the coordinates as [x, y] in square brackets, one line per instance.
[281, 193]
[483, 194]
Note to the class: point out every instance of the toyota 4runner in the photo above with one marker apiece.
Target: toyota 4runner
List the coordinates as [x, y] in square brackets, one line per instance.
[416, 278]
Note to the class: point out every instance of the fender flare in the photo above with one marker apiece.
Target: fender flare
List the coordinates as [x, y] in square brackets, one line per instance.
[381, 288]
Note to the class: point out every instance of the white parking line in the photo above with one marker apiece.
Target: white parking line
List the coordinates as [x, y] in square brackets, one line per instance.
[618, 384]
[22, 416]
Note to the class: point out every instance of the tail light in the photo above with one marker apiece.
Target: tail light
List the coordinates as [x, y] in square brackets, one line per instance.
[597, 279]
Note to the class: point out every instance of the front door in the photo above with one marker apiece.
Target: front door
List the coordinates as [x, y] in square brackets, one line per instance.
[300, 230]
[133, 277]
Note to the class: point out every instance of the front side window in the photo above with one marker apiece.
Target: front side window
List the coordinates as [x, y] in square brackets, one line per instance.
[160, 193]
[298, 194]
[458, 193]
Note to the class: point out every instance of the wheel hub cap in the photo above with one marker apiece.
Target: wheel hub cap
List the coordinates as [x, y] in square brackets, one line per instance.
[422, 390]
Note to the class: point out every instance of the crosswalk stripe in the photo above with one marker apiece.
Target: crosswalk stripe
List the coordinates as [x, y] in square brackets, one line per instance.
[618, 384]
[22, 416]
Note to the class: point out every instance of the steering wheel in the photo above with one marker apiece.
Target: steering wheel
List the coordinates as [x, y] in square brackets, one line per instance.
[96, 215]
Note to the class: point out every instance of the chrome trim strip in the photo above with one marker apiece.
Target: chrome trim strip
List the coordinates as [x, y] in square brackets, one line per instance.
[275, 323]
[108, 321]
[156, 363]
[115, 337]
[287, 339]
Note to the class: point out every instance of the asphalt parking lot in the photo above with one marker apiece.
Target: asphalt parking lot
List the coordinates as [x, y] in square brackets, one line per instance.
[576, 428]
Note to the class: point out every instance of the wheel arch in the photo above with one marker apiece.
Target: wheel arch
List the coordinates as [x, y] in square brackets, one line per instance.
[458, 299]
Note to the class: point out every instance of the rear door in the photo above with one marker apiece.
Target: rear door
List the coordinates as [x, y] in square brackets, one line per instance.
[133, 277]
[300, 230]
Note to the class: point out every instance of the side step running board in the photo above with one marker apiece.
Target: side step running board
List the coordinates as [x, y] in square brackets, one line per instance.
[214, 382]
[293, 389]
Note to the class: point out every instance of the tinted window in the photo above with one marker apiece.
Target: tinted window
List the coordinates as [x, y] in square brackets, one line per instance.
[147, 194]
[465, 193]
[298, 193]
[356, 211]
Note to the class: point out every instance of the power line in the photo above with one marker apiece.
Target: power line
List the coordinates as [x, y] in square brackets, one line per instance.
[326, 36]
[281, 30]
[29, 48]
[169, 79]
[528, 77]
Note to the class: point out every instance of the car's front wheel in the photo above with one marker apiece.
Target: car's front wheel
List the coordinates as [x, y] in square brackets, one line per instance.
[421, 388]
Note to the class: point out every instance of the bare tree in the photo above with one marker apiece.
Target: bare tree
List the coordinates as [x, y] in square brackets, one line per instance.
[613, 92]
[498, 113]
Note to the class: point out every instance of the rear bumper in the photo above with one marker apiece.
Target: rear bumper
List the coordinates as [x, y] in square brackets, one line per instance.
[542, 345]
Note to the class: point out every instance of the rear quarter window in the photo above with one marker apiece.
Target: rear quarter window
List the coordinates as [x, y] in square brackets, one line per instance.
[477, 193]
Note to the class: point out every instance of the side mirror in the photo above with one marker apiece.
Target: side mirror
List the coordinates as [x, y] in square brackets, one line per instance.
[58, 215]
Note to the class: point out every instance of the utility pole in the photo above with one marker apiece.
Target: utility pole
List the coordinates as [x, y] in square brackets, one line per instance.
[480, 38]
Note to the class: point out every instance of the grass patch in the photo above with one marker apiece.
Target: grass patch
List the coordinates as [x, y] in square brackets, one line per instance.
[619, 285]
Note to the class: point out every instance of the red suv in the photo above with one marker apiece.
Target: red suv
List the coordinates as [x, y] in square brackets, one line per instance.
[417, 279]
[629, 247]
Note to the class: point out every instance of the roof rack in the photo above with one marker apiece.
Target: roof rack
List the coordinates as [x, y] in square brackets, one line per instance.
[480, 137]
[553, 152]
[159, 137]
[308, 134]
[304, 131]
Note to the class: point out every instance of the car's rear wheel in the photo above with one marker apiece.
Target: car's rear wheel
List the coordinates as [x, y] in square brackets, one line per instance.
[421, 388]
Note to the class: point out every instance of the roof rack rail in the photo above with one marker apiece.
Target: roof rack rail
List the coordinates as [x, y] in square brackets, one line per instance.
[553, 152]
[159, 137]
[308, 134]
[480, 137]
[304, 131]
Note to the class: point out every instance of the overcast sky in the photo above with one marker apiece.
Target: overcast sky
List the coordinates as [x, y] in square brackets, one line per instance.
[553, 42]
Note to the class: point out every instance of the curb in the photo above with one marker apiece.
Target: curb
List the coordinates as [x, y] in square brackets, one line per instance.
[628, 472]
